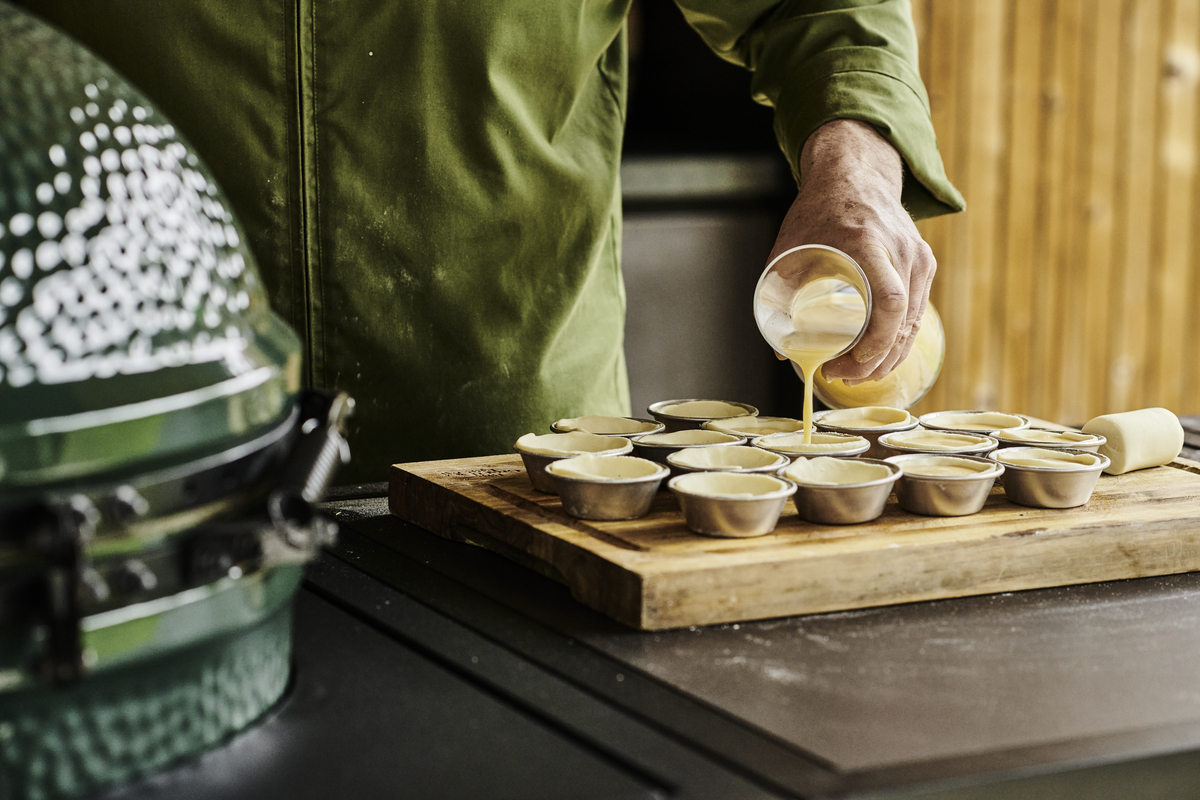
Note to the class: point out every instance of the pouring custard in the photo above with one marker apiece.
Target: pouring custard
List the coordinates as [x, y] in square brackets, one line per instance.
[827, 318]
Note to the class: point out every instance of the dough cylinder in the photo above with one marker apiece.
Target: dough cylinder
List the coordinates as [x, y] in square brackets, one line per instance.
[1149, 437]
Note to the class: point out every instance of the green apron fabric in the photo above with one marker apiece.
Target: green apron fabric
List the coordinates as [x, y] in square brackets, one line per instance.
[431, 187]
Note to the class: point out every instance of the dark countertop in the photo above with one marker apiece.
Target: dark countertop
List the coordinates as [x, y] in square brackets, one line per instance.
[431, 668]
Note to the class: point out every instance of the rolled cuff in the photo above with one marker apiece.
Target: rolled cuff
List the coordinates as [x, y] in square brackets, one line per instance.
[878, 88]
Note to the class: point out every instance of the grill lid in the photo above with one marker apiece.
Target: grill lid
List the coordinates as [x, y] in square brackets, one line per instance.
[134, 329]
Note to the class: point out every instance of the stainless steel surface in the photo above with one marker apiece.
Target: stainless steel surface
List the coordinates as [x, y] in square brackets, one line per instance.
[876, 450]
[891, 447]
[1046, 487]
[681, 423]
[1085, 691]
[947, 495]
[855, 445]
[736, 458]
[731, 516]
[845, 504]
[607, 498]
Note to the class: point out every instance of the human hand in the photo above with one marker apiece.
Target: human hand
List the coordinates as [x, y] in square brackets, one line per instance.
[849, 198]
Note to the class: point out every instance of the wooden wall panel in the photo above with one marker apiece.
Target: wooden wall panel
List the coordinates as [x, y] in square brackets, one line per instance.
[1071, 285]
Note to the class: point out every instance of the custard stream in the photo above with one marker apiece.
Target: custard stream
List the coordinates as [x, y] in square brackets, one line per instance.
[825, 322]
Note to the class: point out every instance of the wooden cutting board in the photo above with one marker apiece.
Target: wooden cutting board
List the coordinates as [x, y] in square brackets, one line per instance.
[653, 573]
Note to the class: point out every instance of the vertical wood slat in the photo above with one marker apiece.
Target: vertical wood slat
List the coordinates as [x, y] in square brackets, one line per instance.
[939, 22]
[1129, 310]
[1018, 251]
[1092, 270]
[1174, 209]
[985, 159]
[1057, 321]
[1071, 286]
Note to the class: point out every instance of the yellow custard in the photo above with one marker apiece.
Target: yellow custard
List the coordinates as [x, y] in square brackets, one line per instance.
[940, 470]
[754, 426]
[825, 322]
[943, 466]
[869, 417]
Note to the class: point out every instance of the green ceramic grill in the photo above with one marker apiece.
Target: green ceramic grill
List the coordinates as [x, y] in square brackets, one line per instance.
[158, 458]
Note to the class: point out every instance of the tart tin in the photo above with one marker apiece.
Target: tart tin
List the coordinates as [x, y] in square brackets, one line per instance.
[1061, 440]
[735, 458]
[603, 425]
[731, 504]
[669, 413]
[840, 503]
[657, 446]
[846, 420]
[836, 445]
[944, 495]
[901, 443]
[1050, 486]
[972, 421]
[606, 487]
[752, 427]
[538, 451]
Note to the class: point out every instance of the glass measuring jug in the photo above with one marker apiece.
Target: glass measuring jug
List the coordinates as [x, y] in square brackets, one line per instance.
[812, 304]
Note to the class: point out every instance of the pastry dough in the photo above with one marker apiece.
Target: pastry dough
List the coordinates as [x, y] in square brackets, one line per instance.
[569, 444]
[825, 471]
[698, 409]
[1149, 437]
[821, 443]
[922, 439]
[868, 417]
[728, 484]
[722, 458]
[754, 426]
[1047, 459]
[599, 468]
[942, 467]
[688, 437]
[604, 425]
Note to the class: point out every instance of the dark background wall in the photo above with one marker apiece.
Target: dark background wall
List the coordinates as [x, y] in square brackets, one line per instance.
[705, 187]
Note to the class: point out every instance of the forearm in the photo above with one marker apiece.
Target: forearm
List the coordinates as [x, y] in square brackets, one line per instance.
[850, 198]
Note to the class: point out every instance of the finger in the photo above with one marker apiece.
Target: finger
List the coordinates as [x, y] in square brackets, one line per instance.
[923, 268]
[895, 357]
[889, 304]
[920, 283]
[847, 369]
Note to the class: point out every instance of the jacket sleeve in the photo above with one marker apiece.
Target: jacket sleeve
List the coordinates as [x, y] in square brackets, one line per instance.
[820, 60]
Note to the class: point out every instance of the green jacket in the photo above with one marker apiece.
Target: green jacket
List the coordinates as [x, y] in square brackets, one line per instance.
[431, 186]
